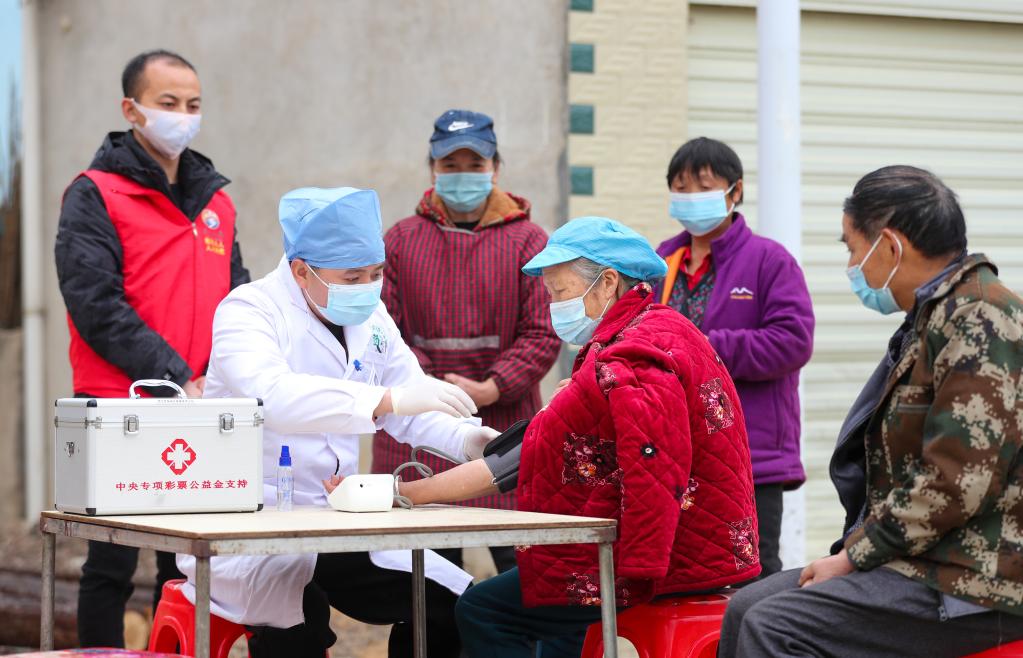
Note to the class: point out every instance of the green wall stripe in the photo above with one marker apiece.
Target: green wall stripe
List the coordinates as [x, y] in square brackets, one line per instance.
[581, 57]
[580, 119]
[582, 180]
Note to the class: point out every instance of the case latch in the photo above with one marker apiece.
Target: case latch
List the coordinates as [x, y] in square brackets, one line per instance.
[226, 423]
[131, 424]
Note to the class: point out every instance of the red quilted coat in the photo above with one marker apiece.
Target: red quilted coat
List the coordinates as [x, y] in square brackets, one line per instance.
[649, 432]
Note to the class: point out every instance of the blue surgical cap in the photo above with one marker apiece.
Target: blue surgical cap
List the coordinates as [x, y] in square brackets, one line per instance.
[605, 242]
[337, 228]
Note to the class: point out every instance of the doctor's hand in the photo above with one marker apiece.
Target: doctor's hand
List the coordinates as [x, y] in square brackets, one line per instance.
[429, 394]
[482, 393]
[476, 439]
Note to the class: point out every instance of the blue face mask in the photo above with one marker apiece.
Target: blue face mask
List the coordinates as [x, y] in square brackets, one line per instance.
[349, 305]
[701, 212]
[570, 321]
[466, 191]
[877, 299]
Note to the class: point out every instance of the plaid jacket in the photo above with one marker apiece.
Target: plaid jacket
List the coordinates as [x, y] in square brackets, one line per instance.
[944, 473]
[463, 304]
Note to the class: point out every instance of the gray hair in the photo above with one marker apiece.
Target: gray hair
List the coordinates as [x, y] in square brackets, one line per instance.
[589, 270]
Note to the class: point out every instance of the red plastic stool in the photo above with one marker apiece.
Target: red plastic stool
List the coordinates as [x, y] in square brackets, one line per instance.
[1011, 650]
[681, 627]
[174, 626]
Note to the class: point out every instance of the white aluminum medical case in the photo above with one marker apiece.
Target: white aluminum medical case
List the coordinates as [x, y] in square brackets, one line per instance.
[158, 455]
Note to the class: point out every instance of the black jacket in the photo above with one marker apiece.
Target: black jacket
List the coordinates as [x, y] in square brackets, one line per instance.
[94, 294]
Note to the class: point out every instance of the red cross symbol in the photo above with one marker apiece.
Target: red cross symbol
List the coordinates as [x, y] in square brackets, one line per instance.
[178, 456]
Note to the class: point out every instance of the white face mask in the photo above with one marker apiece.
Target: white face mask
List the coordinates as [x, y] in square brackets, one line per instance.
[170, 133]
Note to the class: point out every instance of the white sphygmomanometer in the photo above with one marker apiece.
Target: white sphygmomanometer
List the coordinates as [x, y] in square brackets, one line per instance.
[364, 493]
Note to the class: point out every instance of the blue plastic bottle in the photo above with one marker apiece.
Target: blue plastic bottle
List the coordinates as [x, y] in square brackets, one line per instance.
[285, 481]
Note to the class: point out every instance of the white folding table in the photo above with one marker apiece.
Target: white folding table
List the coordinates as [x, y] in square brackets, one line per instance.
[322, 530]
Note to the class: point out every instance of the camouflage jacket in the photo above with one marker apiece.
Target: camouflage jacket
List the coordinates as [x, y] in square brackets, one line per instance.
[944, 473]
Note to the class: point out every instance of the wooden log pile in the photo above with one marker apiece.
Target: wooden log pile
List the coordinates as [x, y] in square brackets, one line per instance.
[20, 595]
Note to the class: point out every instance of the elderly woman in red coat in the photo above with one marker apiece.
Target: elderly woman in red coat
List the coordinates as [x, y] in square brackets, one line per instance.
[648, 431]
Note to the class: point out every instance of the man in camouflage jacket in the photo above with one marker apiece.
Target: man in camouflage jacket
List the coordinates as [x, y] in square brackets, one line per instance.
[944, 474]
[928, 463]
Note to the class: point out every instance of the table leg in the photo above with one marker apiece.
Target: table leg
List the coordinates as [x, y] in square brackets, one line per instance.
[202, 607]
[608, 619]
[419, 603]
[46, 615]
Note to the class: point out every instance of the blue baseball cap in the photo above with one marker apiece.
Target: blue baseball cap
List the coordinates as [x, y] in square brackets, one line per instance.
[605, 242]
[462, 129]
[337, 228]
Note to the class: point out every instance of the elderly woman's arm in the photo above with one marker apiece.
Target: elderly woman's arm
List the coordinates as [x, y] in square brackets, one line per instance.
[463, 482]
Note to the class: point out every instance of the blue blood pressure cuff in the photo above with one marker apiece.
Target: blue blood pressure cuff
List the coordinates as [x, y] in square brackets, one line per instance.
[502, 456]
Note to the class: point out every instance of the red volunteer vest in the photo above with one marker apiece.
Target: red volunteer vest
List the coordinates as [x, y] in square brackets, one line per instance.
[175, 271]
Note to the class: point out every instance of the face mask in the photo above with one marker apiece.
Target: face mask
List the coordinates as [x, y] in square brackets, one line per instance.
[701, 212]
[349, 305]
[170, 133]
[464, 192]
[877, 299]
[570, 321]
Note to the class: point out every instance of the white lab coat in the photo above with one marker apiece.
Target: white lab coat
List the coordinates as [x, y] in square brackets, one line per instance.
[267, 344]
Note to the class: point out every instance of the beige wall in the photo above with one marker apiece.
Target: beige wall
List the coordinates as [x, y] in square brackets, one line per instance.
[329, 93]
[638, 90]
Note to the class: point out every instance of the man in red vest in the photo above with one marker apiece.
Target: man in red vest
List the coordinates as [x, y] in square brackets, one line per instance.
[146, 249]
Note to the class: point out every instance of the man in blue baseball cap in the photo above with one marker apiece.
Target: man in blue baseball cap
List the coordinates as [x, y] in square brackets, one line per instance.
[313, 341]
[454, 287]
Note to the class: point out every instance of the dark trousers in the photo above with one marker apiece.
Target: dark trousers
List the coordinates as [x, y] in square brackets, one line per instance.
[866, 613]
[504, 557]
[352, 584]
[494, 623]
[105, 588]
[769, 511]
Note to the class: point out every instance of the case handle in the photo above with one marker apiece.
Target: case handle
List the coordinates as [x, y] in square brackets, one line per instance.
[155, 382]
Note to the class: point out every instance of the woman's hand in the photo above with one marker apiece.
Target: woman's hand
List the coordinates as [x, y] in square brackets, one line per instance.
[825, 569]
[195, 387]
[483, 393]
[331, 483]
[560, 387]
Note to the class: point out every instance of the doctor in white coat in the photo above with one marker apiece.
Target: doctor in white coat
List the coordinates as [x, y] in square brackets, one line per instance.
[313, 341]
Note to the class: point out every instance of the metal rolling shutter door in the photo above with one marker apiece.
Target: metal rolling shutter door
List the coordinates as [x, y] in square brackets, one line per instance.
[877, 90]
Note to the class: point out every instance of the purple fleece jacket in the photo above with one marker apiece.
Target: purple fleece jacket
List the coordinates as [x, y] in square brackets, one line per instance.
[760, 320]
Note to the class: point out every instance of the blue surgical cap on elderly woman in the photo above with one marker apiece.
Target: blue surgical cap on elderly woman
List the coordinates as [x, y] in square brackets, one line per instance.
[603, 241]
[336, 228]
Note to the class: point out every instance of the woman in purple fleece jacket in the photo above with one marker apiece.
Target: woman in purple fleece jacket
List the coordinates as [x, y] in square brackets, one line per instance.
[749, 296]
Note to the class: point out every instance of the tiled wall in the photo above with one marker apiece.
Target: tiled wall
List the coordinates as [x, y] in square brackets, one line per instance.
[627, 95]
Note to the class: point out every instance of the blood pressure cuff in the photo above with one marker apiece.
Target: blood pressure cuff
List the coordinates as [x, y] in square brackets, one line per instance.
[505, 468]
[502, 456]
